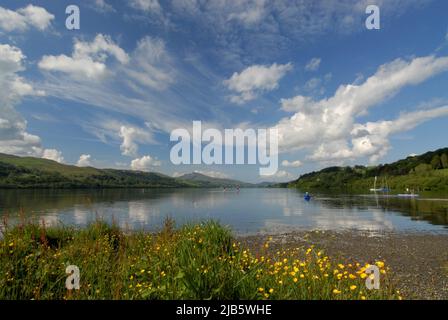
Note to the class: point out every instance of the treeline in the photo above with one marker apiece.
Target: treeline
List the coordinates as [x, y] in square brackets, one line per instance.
[427, 172]
[12, 176]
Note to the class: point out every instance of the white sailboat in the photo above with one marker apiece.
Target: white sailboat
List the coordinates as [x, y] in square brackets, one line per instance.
[382, 189]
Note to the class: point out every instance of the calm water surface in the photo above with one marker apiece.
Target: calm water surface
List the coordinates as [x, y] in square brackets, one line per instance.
[247, 211]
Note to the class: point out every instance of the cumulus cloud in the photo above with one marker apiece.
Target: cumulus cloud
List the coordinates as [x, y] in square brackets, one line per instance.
[255, 80]
[330, 124]
[53, 154]
[88, 60]
[131, 136]
[313, 64]
[292, 164]
[145, 163]
[14, 138]
[84, 160]
[24, 18]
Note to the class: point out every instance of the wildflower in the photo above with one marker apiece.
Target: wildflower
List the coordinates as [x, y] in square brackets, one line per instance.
[380, 264]
[260, 289]
[142, 271]
[352, 276]
[295, 279]
[11, 244]
[363, 298]
[336, 291]
[353, 287]
[271, 290]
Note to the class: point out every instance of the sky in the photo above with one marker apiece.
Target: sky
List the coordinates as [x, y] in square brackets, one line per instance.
[110, 94]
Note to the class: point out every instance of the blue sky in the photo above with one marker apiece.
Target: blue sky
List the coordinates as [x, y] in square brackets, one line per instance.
[109, 94]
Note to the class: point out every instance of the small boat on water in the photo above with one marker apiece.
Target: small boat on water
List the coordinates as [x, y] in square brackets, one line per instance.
[409, 194]
[307, 197]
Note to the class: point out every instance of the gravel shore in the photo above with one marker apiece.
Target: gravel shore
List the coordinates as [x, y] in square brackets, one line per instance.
[419, 262]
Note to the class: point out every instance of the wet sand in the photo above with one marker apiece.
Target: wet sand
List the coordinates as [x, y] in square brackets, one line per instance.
[418, 262]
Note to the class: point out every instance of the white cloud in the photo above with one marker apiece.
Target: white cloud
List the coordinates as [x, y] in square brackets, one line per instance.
[88, 60]
[103, 6]
[251, 12]
[292, 164]
[145, 163]
[84, 160]
[313, 64]
[150, 65]
[131, 136]
[329, 126]
[256, 79]
[52, 154]
[24, 18]
[14, 138]
[146, 5]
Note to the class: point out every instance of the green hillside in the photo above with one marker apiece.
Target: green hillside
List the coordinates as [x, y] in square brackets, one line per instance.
[427, 172]
[211, 182]
[18, 172]
[27, 172]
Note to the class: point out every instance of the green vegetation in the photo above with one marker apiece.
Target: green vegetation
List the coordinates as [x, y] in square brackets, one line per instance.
[19, 172]
[427, 172]
[192, 262]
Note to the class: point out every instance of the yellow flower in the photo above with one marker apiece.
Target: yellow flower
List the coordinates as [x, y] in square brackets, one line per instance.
[380, 264]
[363, 276]
[271, 290]
[363, 298]
[353, 287]
[142, 271]
[11, 244]
[341, 266]
[336, 291]
[295, 279]
[351, 276]
[260, 289]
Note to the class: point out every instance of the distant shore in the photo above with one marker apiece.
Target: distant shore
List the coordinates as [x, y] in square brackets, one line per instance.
[419, 262]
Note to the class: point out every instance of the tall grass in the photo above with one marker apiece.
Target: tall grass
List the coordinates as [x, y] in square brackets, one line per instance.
[192, 262]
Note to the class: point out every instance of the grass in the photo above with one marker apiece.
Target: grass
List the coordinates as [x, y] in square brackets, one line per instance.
[191, 262]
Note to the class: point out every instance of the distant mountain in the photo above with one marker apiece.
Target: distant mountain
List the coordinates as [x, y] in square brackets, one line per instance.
[426, 172]
[205, 181]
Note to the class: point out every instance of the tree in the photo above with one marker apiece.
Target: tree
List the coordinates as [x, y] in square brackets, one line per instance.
[435, 162]
[444, 161]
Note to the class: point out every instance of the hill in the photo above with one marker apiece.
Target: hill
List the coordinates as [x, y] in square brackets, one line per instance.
[426, 172]
[211, 182]
[28, 172]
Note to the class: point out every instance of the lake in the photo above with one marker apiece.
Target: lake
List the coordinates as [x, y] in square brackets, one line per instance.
[247, 211]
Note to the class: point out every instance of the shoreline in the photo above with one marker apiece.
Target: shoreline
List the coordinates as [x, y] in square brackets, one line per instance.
[418, 261]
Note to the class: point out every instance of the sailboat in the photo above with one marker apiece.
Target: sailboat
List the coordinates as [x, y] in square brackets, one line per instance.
[385, 188]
